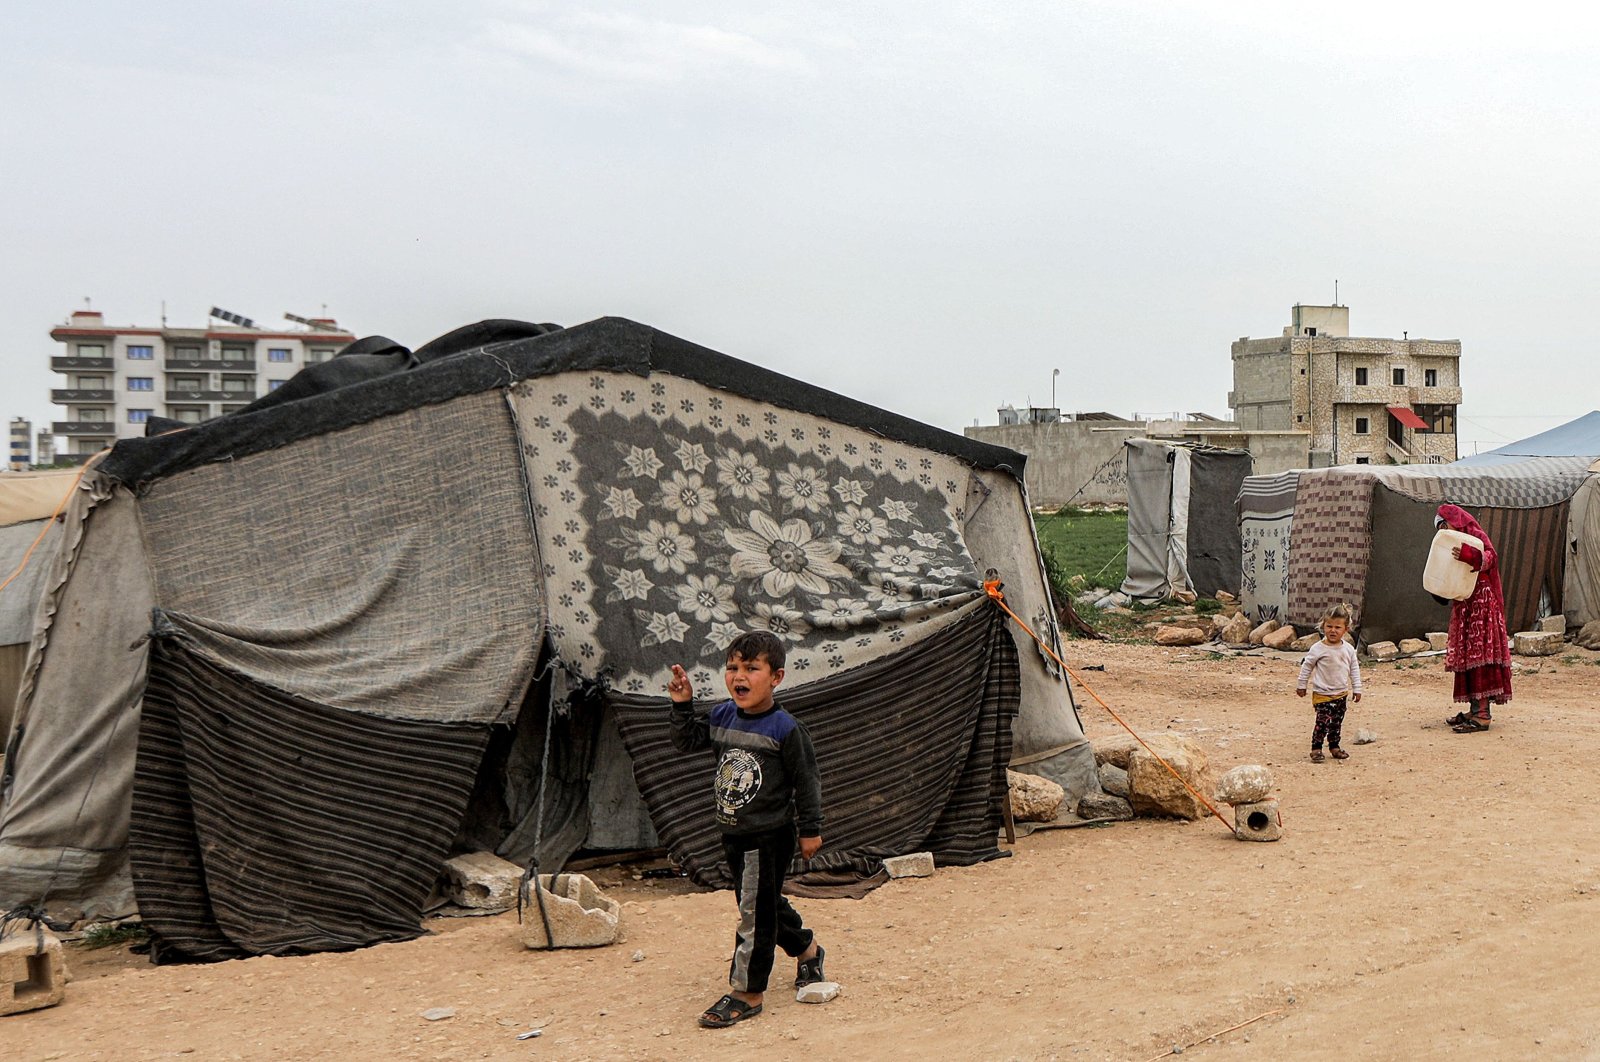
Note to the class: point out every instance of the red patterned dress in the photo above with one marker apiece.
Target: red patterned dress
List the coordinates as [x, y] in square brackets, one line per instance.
[1478, 652]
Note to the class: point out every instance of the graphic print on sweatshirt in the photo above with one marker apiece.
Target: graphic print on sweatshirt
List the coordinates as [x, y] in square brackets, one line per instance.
[738, 782]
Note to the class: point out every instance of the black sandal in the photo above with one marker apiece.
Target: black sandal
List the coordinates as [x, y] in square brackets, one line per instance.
[1458, 719]
[1471, 726]
[809, 971]
[728, 1011]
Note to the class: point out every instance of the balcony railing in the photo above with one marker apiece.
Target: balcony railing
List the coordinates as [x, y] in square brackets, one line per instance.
[63, 396]
[84, 427]
[210, 365]
[73, 459]
[190, 395]
[69, 364]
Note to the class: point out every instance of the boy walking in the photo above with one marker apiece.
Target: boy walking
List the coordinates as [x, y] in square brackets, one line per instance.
[768, 796]
[1334, 675]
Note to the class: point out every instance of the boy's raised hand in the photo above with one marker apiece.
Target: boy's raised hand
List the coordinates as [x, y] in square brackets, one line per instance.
[679, 688]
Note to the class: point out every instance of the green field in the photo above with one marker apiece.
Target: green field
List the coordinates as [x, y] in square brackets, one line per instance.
[1088, 542]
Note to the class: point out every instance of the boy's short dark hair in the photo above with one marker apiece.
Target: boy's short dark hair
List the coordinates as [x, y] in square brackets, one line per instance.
[753, 644]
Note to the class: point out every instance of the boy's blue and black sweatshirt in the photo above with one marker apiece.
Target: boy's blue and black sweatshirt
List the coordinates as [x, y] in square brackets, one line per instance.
[766, 768]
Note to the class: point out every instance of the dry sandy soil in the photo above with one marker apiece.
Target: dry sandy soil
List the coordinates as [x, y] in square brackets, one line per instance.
[1434, 896]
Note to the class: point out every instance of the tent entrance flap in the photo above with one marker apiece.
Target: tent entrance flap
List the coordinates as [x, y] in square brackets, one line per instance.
[1408, 416]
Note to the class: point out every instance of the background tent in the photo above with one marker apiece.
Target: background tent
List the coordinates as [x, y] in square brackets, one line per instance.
[1360, 536]
[1576, 438]
[1182, 524]
[29, 538]
[1581, 586]
[432, 607]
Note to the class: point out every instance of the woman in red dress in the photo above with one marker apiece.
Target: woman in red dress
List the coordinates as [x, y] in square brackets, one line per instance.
[1478, 652]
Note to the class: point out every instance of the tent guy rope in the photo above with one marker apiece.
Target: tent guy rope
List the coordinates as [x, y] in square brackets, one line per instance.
[992, 588]
[62, 504]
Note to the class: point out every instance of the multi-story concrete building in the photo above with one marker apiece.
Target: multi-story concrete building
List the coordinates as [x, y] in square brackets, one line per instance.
[21, 455]
[118, 378]
[1360, 401]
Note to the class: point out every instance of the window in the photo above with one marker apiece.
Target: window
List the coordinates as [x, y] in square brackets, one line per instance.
[138, 416]
[141, 383]
[91, 414]
[188, 383]
[1361, 377]
[1399, 377]
[317, 355]
[1363, 460]
[273, 385]
[188, 416]
[238, 385]
[91, 383]
[86, 350]
[1363, 426]
[277, 354]
[1430, 377]
[186, 352]
[141, 353]
[1441, 419]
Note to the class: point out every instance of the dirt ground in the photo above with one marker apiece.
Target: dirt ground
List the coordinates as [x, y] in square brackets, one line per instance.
[1436, 895]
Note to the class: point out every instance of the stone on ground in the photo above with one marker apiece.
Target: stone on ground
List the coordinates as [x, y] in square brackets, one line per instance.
[1412, 646]
[1261, 630]
[1282, 638]
[1365, 736]
[1237, 632]
[1257, 822]
[817, 992]
[1117, 749]
[1154, 790]
[1302, 644]
[1104, 806]
[1033, 799]
[1536, 643]
[1224, 597]
[1554, 623]
[1438, 641]
[1170, 635]
[914, 865]
[1382, 651]
[1114, 779]
[581, 916]
[482, 881]
[1245, 784]
[1589, 636]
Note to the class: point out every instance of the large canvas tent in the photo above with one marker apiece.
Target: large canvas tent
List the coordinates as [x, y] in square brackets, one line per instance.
[1182, 530]
[29, 537]
[426, 601]
[1576, 438]
[1359, 534]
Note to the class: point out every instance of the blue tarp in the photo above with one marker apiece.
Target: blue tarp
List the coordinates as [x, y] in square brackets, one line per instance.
[1576, 438]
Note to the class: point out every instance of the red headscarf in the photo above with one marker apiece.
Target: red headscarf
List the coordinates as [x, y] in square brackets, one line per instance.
[1478, 624]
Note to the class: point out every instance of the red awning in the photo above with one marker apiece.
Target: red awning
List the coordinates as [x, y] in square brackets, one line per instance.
[1408, 416]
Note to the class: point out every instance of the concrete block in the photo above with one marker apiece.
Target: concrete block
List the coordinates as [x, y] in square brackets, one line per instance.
[1536, 643]
[482, 881]
[1554, 623]
[581, 916]
[1438, 640]
[1412, 646]
[1383, 651]
[914, 865]
[32, 975]
[1257, 822]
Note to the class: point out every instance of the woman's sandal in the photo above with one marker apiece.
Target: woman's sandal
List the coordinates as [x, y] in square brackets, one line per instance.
[1339, 754]
[1458, 719]
[728, 1011]
[809, 971]
[1471, 725]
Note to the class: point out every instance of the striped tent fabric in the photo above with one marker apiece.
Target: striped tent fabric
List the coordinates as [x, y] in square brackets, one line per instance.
[1332, 541]
[912, 750]
[1532, 545]
[265, 824]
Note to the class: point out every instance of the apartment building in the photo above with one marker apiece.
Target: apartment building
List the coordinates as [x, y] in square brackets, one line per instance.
[117, 378]
[21, 455]
[1360, 400]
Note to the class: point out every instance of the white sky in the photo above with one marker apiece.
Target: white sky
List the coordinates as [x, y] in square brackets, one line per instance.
[926, 206]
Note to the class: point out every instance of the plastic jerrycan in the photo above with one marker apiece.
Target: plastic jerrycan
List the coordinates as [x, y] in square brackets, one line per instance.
[1445, 576]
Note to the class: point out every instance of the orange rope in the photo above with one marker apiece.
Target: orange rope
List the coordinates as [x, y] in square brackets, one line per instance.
[62, 504]
[1213, 1036]
[992, 588]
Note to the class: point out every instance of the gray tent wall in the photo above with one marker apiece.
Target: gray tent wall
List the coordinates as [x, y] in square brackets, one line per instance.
[1581, 597]
[26, 550]
[1183, 531]
[64, 803]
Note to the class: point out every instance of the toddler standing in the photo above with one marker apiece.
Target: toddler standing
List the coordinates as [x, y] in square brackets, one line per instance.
[1334, 673]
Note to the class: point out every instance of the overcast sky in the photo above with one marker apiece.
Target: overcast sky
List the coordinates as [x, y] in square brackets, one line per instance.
[927, 206]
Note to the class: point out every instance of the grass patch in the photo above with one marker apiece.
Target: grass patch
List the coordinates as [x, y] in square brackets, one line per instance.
[1092, 543]
[112, 934]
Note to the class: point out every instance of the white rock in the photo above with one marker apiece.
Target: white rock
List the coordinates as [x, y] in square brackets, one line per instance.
[482, 881]
[914, 865]
[817, 992]
[1033, 799]
[1248, 783]
[1382, 651]
[1536, 643]
[1365, 737]
[439, 1013]
[1554, 623]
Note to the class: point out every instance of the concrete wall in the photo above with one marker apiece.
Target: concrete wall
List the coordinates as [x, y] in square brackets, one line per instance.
[1066, 456]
